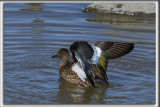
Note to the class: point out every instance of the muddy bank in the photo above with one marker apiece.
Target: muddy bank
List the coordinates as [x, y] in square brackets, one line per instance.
[122, 8]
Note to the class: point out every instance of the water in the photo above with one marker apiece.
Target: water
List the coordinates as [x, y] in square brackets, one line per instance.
[33, 33]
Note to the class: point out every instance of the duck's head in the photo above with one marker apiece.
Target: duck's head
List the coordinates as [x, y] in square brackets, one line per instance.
[63, 54]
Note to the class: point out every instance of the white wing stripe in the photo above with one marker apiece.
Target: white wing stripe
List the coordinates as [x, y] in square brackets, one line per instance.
[76, 68]
[96, 54]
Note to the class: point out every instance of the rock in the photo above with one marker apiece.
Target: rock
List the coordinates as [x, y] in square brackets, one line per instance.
[122, 8]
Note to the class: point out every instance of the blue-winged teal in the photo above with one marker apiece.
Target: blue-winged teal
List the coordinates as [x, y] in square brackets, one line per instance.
[89, 62]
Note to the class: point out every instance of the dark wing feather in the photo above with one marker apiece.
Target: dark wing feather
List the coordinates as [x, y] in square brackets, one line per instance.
[83, 48]
[114, 49]
[82, 53]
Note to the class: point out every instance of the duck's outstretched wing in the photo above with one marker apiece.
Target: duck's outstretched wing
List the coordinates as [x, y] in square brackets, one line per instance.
[82, 53]
[114, 49]
[109, 50]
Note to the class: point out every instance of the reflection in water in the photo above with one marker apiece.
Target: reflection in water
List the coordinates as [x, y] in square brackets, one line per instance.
[35, 4]
[76, 94]
[33, 9]
[37, 29]
[118, 19]
[37, 21]
[39, 9]
[121, 27]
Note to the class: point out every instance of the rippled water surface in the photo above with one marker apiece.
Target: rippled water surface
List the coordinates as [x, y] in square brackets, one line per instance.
[35, 32]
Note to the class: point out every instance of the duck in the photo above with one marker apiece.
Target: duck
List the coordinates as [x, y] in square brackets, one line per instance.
[88, 63]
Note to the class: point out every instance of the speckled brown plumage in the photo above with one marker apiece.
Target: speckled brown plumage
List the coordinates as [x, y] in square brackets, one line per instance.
[68, 74]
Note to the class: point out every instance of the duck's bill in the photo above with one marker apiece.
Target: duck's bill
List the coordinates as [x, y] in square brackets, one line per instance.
[54, 56]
